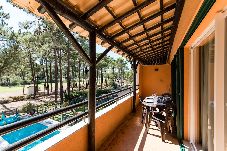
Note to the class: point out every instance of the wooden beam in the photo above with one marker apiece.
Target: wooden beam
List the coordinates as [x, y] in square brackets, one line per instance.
[153, 53]
[145, 20]
[103, 54]
[157, 44]
[177, 14]
[132, 11]
[135, 2]
[155, 59]
[153, 27]
[160, 49]
[156, 55]
[92, 92]
[122, 26]
[65, 30]
[161, 8]
[96, 8]
[152, 41]
[73, 16]
[167, 37]
[41, 10]
[151, 36]
[134, 86]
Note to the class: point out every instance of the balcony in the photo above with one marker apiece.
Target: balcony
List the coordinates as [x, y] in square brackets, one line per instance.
[116, 128]
[111, 111]
[132, 135]
[107, 122]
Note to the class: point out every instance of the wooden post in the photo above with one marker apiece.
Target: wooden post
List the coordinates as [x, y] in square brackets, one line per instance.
[134, 85]
[92, 92]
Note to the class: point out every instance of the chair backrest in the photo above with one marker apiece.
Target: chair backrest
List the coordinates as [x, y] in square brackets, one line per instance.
[3, 116]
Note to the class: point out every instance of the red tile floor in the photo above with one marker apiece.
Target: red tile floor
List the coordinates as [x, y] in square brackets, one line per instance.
[132, 136]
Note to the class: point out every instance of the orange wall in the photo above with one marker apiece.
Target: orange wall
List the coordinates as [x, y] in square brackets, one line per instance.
[74, 142]
[187, 18]
[184, 24]
[105, 126]
[186, 93]
[152, 81]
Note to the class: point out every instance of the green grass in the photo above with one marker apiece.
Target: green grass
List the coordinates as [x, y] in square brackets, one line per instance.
[4, 89]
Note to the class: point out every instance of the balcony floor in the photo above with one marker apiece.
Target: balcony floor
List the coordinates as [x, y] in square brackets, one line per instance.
[132, 136]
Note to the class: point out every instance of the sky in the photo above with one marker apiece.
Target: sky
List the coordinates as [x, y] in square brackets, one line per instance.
[17, 15]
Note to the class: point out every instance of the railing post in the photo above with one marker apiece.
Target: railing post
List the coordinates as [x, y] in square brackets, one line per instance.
[92, 92]
[134, 65]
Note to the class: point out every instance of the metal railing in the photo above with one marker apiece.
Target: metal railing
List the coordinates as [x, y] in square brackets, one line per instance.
[102, 102]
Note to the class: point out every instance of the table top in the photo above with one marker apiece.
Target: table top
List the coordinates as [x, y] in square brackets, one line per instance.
[152, 101]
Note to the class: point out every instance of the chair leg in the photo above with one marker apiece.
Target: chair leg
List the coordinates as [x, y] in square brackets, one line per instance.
[162, 128]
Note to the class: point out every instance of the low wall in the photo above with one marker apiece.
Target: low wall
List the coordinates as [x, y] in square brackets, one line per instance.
[107, 121]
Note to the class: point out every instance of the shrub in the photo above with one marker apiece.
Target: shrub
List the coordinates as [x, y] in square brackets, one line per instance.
[113, 85]
[17, 98]
[28, 108]
[78, 96]
[102, 91]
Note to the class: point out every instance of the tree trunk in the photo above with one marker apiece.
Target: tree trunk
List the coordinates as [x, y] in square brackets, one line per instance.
[72, 76]
[68, 72]
[83, 73]
[56, 74]
[47, 78]
[60, 70]
[106, 82]
[51, 86]
[113, 71]
[33, 74]
[97, 76]
[101, 78]
[79, 73]
[121, 77]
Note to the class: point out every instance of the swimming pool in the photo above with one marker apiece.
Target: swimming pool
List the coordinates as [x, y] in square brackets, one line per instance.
[22, 133]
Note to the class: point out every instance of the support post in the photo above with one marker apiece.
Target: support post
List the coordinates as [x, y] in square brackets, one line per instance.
[92, 92]
[134, 85]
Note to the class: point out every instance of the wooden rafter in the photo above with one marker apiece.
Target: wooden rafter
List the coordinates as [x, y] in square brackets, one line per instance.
[122, 26]
[141, 19]
[103, 54]
[149, 37]
[69, 14]
[96, 8]
[133, 46]
[152, 41]
[120, 18]
[156, 45]
[145, 20]
[64, 29]
[154, 27]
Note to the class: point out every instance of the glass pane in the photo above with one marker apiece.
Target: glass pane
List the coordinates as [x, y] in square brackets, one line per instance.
[207, 94]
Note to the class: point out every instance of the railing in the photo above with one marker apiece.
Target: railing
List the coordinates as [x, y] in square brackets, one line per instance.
[102, 102]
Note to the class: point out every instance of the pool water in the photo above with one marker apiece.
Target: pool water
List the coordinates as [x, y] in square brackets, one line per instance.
[20, 134]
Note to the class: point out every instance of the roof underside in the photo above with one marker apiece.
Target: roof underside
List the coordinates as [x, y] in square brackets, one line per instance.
[140, 29]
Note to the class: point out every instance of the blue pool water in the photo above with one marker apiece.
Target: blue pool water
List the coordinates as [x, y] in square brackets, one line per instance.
[28, 131]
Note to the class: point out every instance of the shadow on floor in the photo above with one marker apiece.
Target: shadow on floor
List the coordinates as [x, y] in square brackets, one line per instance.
[132, 136]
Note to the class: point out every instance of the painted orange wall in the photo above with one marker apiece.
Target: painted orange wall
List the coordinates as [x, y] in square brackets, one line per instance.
[186, 93]
[105, 126]
[187, 18]
[184, 24]
[152, 81]
[74, 142]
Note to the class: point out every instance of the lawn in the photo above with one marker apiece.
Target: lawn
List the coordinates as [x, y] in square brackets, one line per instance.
[4, 89]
